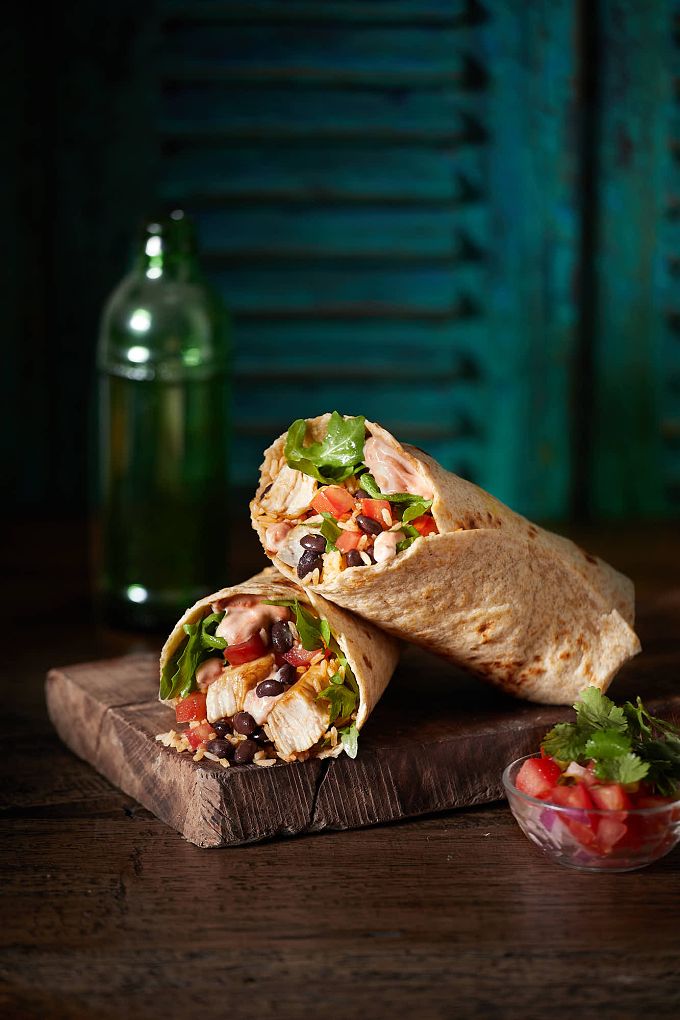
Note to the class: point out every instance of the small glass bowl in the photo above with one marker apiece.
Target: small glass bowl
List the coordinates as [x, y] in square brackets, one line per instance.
[593, 840]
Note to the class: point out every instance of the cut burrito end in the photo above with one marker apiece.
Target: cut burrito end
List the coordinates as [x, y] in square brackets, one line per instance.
[265, 671]
[383, 530]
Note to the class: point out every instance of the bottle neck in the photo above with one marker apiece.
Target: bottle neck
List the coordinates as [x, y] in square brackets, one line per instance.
[168, 252]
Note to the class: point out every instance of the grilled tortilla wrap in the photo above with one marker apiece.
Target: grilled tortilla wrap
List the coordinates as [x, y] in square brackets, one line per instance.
[521, 607]
[297, 722]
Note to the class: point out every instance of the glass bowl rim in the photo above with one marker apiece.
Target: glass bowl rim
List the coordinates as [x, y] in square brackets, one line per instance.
[510, 788]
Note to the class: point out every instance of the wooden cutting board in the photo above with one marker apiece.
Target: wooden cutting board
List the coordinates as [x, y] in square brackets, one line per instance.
[438, 740]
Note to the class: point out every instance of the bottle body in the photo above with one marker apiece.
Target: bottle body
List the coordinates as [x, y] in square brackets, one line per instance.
[162, 479]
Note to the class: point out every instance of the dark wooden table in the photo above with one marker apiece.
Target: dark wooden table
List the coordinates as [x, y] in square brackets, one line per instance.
[106, 912]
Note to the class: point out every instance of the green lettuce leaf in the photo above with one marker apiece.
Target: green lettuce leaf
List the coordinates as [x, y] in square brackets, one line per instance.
[330, 530]
[350, 739]
[369, 485]
[416, 510]
[179, 674]
[333, 459]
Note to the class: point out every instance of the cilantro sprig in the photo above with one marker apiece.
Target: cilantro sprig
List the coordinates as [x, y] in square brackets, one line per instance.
[179, 674]
[626, 743]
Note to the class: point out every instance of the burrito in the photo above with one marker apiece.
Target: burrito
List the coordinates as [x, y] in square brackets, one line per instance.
[265, 671]
[382, 529]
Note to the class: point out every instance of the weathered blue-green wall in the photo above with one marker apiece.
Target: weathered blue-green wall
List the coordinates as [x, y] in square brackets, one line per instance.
[456, 217]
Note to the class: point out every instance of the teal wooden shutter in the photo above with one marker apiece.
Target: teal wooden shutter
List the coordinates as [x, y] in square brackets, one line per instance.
[635, 467]
[384, 243]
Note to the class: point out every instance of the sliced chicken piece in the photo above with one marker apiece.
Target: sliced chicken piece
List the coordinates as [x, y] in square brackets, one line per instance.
[393, 472]
[245, 618]
[290, 549]
[290, 494]
[209, 671]
[227, 695]
[298, 720]
[275, 535]
[260, 708]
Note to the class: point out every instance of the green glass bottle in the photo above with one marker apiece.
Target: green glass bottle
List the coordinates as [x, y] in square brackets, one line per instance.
[162, 364]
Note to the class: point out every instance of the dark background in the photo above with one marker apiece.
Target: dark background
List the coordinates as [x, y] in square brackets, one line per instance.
[459, 218]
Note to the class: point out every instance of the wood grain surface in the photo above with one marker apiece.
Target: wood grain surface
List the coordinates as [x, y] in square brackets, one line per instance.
[107, 912]
[438, 740]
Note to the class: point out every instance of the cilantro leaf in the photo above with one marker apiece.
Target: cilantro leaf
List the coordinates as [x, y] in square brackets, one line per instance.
[595, 710]
[350, 739]
[626, 768]
[314, 631]
[369, 485]
[342, 701]
[607, 744]
[565, 742]
[333, 459]
[179, 674]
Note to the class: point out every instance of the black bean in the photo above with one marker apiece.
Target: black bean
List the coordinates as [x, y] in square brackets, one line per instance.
[222, 748]
[287, 675]
[269, 688]
[245, 752]
[308, 562]
[368, 525]
[361, 494]
[353, 558]
[317, 543]
[243, 722]
[222, 727]
[282, 638]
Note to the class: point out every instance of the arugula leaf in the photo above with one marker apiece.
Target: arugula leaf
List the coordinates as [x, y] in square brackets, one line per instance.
[369, 485]
[416, 510]
[607, 744]
[565, 742]
[330, 530]
[594, 709]
[179, 674]
[333, 459]
[314, 632]
[350, 739]
[411, 535]
[626, 768]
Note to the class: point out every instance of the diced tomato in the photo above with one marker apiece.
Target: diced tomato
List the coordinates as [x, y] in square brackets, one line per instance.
[652, 801]
[610, 831]
[245, 651]
[373, 508]
[299, 656]
[425, 525]
[348, 540]
[199, 734]
[576, 796]
[537, 777]
[190, 708]
[333, 499]
[580, 823]
[610, 797]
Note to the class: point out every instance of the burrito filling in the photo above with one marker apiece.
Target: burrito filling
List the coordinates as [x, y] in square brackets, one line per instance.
[260, 680]
[348, 501]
